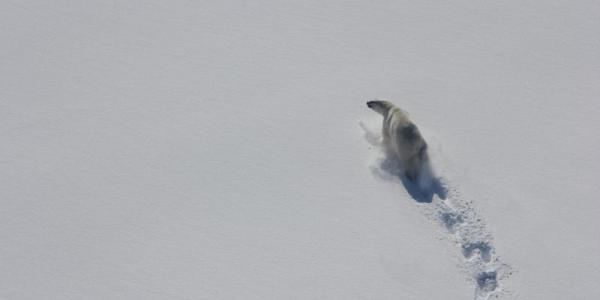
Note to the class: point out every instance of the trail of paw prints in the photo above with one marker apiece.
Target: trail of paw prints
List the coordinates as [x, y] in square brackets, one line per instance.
[468, 230]
[457, 215]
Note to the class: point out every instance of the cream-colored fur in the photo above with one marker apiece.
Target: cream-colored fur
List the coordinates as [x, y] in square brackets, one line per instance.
[401, 138]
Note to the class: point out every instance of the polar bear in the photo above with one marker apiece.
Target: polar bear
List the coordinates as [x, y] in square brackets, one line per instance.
[402, 138]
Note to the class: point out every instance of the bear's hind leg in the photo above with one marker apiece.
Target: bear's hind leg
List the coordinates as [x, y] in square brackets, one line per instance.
[411, 175]
[411, 169]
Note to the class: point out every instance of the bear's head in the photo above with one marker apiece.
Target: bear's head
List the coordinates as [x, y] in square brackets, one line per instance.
[380, 106]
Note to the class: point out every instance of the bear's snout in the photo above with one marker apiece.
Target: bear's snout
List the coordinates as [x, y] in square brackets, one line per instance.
[370, 104]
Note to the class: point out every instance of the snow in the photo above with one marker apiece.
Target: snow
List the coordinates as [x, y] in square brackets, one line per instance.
[223, 150]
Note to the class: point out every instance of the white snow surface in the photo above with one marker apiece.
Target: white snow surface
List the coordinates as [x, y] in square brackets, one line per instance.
[223, 149]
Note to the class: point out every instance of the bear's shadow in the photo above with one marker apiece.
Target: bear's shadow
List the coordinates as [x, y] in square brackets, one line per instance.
[422, 189]
[389, 168]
